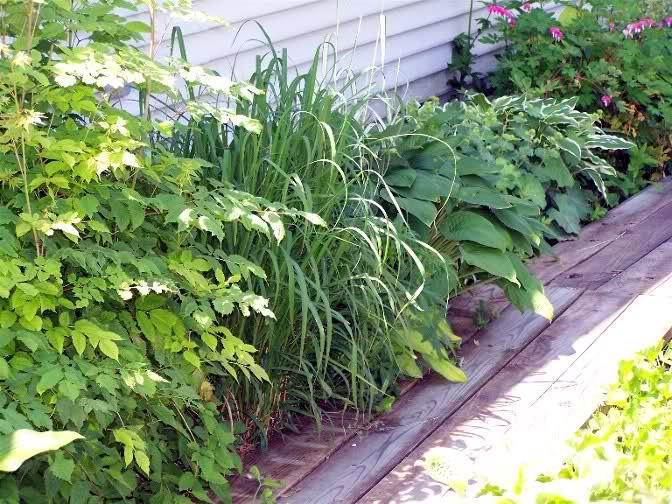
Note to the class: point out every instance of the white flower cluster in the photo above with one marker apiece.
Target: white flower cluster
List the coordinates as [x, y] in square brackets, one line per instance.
[99, 70]
[198, 75]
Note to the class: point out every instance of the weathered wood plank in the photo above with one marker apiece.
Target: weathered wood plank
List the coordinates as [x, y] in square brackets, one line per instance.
[621, 253]
[575, 395]
[359, 464]
[293, 455]
[597, 235]
[468, 435]
[652, 272]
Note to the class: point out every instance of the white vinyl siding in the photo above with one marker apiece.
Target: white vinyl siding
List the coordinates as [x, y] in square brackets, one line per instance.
[416, 45]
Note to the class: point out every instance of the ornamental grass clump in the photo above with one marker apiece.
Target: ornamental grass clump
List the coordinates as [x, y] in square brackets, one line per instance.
[342, 285]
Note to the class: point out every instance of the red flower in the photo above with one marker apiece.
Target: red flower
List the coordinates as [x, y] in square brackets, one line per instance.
[556, 33]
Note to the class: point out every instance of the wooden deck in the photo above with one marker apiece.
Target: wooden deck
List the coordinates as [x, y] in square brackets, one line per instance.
[531, 383]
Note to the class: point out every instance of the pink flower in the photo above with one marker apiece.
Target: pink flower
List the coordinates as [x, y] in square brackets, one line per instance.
[526, 7]
[498, 10]
[606, 100]
[556, 33]
[634, 28]
[667, 22]
[612, 26]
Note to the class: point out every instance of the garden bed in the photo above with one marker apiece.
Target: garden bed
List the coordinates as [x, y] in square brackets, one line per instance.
[176, 292]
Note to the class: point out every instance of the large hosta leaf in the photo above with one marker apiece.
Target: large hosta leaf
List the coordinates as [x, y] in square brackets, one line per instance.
[20, 445]
[424, 211]
[443, 366]
[483, 197]
[475, 166]
[512, 219]
[432, 157]
[429, 187]
[530, 294]
[431, 336]
[608, 142]
[403, 177]
[493, 261]
[472, 226]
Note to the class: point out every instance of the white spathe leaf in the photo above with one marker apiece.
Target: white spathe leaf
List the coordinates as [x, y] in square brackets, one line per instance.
[20, 445]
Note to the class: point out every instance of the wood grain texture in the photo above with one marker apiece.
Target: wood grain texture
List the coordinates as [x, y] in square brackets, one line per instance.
[468, 436]
[574, 396]
[292, 456]
[364, 460]
[597, 235]
[651, 273]
[621, 253]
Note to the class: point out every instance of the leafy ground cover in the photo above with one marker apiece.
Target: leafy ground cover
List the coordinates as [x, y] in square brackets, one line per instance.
[622, 454]
[612, 55]
[113, 291]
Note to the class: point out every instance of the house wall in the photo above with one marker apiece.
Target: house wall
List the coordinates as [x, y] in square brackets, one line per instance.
[412, 55]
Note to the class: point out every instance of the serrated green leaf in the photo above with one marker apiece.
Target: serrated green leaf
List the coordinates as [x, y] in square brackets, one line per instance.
[192, 359]
[142, 460]
[79, 341]
[7, 319]
[49, 379]
[62, 467]
[109, 348]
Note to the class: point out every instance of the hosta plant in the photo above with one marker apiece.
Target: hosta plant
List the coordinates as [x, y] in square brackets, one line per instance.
[114, 291]
[488, 182]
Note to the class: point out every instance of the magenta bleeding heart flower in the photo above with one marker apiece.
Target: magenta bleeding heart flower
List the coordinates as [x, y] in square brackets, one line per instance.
[606, 100]
[556, 33]
[526, 7]
[634, 28]
[498, 10]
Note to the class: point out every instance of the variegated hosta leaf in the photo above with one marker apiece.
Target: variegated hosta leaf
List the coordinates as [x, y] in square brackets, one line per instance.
[608, 142]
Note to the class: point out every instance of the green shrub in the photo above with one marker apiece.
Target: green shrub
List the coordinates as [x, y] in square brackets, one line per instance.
[487, 182]
[114, 291]
[613, 55]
